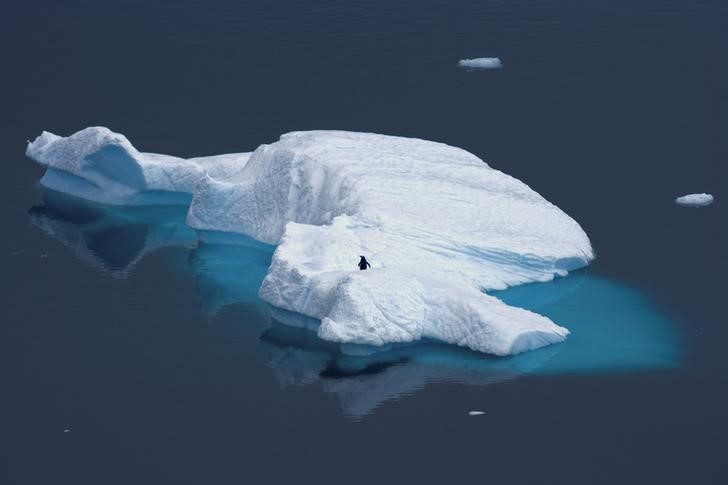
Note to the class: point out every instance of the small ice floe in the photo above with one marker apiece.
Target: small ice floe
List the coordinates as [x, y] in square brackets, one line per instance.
[694, 200]
[481, 63]
[475, 413]
[44, 255]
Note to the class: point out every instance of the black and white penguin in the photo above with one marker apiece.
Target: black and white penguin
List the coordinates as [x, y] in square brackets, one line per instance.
[363, 263]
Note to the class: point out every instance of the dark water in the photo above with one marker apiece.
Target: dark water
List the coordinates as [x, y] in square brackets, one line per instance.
[153, 351]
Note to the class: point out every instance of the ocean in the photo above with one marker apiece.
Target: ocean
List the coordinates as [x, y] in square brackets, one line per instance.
[134, 353]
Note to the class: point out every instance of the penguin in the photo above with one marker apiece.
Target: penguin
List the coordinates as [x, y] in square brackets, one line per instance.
[363, 263]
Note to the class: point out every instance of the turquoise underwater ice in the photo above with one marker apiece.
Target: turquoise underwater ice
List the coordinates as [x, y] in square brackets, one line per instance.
[614, 327]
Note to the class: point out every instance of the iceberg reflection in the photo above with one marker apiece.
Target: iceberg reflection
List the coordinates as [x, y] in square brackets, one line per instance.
[113, 239]
[364, 382]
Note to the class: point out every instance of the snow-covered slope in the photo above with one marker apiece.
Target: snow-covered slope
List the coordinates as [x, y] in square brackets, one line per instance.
[437, 223]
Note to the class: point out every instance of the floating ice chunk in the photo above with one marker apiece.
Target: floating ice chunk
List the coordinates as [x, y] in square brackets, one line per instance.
[481, 63]
[438, 224]
[695, 200]
[475, 413]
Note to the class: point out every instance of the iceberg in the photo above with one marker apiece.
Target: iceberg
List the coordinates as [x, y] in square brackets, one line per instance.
[440, 227]
[695, 200]
[481, 63]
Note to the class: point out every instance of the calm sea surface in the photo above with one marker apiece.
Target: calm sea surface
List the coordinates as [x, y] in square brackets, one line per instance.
[133, 353]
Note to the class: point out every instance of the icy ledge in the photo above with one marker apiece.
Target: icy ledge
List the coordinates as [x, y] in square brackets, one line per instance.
[438, 224]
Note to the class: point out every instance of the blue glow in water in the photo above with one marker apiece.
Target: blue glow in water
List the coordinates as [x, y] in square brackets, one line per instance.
[613, 327]
[227, 273]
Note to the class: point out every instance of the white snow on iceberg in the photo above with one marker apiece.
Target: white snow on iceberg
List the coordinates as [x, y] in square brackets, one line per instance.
[481, 63]
[438, 224]
[100, 165]
[695, 200]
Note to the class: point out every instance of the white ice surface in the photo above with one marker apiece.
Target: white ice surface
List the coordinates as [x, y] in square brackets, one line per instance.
[100, 165]
[436, 222]
[481, 63]
[695, 200]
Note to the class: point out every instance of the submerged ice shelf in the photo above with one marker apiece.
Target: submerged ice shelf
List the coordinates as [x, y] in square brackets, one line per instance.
[438, 224]
[615, 328]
